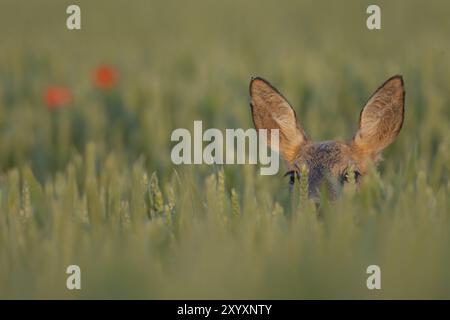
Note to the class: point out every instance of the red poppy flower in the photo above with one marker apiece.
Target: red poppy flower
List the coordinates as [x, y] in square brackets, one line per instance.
[105, 77]
[57, 97]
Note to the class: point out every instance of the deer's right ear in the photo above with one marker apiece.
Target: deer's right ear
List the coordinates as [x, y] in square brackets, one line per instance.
[270, 110]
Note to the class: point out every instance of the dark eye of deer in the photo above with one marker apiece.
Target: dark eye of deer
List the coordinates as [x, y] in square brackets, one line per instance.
[346, 176]
[291, 175]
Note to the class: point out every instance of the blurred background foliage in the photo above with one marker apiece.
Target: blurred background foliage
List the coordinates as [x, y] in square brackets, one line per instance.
[78, 180]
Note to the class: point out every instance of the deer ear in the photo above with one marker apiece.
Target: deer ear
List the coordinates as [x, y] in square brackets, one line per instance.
[381, 118]
[270, 110]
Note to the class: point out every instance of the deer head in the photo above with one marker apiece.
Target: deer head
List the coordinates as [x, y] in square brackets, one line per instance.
[330, 163]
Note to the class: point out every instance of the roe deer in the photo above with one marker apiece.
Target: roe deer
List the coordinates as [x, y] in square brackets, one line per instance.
[330, 163]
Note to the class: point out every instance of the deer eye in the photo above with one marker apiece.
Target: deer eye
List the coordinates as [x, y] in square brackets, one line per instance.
[346, 176]
[291, 175]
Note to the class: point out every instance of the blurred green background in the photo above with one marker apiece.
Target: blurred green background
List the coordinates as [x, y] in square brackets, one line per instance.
[78, 185]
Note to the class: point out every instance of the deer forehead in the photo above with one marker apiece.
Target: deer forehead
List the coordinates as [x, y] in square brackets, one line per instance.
[331, 155]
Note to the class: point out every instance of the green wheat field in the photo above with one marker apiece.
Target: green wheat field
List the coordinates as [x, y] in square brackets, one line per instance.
[91, 183]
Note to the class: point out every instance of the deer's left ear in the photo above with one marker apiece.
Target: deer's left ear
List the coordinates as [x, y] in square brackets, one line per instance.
[381, 119]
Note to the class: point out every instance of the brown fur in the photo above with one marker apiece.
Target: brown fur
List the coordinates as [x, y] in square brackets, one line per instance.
[329, 161]
[270, 110]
